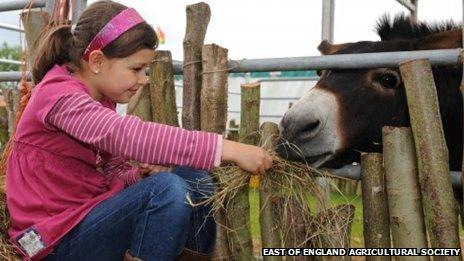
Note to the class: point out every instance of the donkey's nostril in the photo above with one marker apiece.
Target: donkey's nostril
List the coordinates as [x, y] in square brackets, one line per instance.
[309, 130]
[311, 127]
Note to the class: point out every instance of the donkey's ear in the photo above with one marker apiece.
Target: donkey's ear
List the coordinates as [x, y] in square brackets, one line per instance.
[327, 48]
[443, 40]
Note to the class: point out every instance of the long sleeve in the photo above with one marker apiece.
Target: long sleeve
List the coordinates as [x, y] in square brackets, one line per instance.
[130, 138]
[118, 167]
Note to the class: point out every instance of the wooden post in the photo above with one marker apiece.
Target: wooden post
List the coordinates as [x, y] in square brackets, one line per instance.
[336, 223]
[198, 16]
[156, 101]
[233, 131]
[432, 154]
[269, 197]
[295, 225]
[34, 23]
[213, 116]
[140, 104]
[4, 134]
[249, 118]
[404, 199]
[162, 91]
[214, 88]
[11, 97]
[238, 207]
[374, 198]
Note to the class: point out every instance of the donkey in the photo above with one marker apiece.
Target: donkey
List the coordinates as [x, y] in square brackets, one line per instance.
[343, 114]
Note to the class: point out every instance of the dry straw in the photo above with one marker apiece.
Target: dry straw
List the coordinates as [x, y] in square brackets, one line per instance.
[7, 251]
[294, 184]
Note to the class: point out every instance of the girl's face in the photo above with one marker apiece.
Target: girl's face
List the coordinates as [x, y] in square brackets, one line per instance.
[120, 78]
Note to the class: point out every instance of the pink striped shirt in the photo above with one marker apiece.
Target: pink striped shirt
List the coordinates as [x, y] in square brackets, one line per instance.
[70, 153]
[130, 138]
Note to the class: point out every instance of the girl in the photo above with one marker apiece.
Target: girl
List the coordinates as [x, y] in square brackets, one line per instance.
[71, 193]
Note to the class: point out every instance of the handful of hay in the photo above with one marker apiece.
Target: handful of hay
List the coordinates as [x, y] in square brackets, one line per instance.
[291, 184]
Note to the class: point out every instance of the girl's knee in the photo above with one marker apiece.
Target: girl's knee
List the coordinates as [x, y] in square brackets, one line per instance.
[198, 180]
[170, 189]
[189, 173]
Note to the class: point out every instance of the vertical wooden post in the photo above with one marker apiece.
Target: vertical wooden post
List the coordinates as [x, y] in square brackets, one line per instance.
[12, 97]
[432, 154]
[140, 104]
[34, 22]
[198, 16]
[238, 206]
[336, 223]
[4, 134]
[214, 89]
[162, 93]
[249, 117]
[269, 197]
[156, 101]
[295, 225]
[374, 198]
[213, 117]
[233, 131]
[404, 199]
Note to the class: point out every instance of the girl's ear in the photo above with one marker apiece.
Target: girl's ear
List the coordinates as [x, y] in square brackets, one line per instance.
[96, 60]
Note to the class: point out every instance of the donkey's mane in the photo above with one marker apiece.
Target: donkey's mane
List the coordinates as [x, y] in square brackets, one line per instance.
[402, 27]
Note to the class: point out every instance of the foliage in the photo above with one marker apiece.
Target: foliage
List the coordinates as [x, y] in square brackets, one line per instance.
[10, 53]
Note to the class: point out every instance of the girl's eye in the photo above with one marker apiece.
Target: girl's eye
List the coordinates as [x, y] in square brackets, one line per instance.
[137, 69]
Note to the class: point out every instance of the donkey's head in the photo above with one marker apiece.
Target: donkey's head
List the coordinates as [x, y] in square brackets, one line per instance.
[346, 110]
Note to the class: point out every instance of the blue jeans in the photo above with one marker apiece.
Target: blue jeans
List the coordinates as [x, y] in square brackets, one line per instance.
[152, 219]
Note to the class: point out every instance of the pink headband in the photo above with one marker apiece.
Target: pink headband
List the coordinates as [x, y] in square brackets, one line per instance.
[118, 25]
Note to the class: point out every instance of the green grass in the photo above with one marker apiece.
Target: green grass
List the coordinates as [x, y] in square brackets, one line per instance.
[357, 239]
[336, 199]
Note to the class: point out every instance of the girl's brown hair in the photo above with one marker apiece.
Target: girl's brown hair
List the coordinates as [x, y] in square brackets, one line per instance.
[59, 45]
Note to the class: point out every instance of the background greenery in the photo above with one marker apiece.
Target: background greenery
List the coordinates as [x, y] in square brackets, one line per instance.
[11, 53]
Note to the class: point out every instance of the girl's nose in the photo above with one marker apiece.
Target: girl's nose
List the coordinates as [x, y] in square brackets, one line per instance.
[143, 79]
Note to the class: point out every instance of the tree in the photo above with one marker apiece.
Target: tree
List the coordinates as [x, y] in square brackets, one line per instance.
[11, 53]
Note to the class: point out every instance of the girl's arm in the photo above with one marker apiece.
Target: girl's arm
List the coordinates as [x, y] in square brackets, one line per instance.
[128, 137]
[120, 168]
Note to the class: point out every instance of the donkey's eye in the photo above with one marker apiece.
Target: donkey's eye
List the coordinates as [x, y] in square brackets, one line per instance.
[388, 80]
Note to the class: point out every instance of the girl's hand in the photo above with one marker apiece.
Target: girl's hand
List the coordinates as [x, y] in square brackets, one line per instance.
[148, 169]
[248, 157]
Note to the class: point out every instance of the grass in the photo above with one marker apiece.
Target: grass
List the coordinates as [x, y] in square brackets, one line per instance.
[357, 239]
[336, 199]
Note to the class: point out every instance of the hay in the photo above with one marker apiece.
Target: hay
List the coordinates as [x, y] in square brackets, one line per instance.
[7, 251]
[4, 217]
[294, 183]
